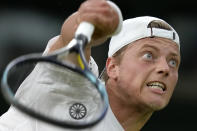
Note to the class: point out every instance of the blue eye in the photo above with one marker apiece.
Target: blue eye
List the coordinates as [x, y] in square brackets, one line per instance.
[172, 63]
[148, 56]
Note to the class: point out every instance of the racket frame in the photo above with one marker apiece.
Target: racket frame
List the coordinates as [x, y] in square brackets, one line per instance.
[77, 45]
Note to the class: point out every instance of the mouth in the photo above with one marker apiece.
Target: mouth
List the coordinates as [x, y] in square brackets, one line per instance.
[157, 85]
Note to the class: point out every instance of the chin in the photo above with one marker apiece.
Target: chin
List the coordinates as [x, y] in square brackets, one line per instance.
[157, 106]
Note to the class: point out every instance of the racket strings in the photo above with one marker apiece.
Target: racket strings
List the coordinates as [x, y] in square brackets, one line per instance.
[50, 89]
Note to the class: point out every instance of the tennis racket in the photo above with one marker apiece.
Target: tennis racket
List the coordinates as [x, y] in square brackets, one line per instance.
[39, 70]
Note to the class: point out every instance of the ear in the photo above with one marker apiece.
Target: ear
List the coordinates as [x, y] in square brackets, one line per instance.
[112, 68]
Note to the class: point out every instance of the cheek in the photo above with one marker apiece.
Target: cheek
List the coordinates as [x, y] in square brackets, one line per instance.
[172, 82]
[133, 76]
[176, 76]
[131, 82]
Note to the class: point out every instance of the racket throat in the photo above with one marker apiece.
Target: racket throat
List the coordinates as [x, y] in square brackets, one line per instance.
[80, 61]
[82, 40]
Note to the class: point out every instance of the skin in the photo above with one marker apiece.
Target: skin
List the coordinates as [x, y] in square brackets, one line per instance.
[100, 14]
[127, 84]
[146, 60]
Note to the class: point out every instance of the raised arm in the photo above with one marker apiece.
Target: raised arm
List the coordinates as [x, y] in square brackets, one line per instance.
[100, 14]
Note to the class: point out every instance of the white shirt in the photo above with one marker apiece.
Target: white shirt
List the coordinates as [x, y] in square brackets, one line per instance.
[46, 87]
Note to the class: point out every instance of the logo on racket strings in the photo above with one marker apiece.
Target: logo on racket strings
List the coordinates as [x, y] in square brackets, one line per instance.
[77, 111]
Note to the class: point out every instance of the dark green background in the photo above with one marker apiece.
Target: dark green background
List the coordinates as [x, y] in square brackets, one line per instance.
[26, 26]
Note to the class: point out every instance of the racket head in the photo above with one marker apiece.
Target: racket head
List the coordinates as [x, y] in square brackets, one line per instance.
[50, 91]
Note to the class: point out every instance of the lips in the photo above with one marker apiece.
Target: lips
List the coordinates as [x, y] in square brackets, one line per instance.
[157, 85]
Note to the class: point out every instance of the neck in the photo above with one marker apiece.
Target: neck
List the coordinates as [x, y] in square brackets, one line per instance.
[131, 117]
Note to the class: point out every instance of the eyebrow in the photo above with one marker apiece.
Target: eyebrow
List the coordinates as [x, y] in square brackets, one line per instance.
[149, 46]
[155, 48]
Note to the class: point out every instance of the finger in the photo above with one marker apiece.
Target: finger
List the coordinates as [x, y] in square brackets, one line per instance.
[90, 8]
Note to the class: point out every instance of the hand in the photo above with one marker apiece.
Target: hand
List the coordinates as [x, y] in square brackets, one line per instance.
[97, 12]
[102, 16]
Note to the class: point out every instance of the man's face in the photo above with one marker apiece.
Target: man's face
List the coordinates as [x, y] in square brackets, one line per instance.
[148, 73]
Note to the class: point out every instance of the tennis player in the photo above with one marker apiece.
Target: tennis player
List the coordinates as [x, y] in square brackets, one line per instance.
[140, 76]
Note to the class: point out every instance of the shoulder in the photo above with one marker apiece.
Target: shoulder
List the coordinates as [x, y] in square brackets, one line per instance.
[13, 120]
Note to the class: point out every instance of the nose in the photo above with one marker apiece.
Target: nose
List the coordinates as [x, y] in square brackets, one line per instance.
[163, 67]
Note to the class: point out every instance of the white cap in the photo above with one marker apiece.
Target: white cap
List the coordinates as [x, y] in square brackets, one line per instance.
[137, 28]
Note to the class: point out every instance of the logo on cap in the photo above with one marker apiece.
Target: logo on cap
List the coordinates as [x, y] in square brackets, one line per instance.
[77, 111]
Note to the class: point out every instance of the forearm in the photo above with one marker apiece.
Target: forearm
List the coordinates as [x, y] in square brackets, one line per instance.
[100, 14]
[67, 34]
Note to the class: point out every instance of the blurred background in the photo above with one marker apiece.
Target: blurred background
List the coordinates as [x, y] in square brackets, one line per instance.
[26, 27]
